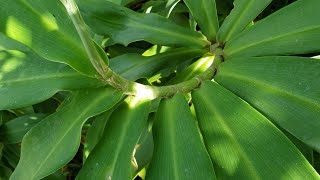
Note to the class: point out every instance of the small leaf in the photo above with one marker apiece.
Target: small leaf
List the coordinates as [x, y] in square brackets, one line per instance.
[125, 26]
[35, 78]
[54, 141]
[111, 158]
[243, 13]
[242, 143]
[47, 29]
[14, 130]
[205, 14]
[286, 89]
[179, 152]
[291, 30]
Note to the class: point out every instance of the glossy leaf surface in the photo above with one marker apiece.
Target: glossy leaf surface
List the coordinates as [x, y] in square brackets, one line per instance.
[205, 14]
[242, 143]
[111, 158]
[179, 152]
[125, 26]
[54, 141]
[291, 30]
[286, 89]
[242, 14]
[31, 75]
[47, 29]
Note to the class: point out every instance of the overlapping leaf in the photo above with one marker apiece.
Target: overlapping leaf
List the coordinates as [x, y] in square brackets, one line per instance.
[286, 89]
[242, 143]
[14, 130]
[179, 152]
[243, 13]
[125, 26]
[111, 158]
[205, 13]
[47, 29]
[134, 66]
[54, 141]
[26, 79]
[291, 30]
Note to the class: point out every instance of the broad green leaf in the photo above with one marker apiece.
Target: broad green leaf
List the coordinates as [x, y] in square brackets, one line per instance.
[95, 132]
[179, 152]
[291, 30]
[285, 89]
[125, 26]
[205, 14]
[14, 130]
[1, 148]
[242, 143]
[243, 13]
[47, 29]
[135, 66]
[111, 158]
[26, 79]
[7, 43]
[54, 141]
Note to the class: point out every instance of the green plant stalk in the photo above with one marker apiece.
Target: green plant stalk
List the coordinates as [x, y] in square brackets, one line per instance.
[130, 87]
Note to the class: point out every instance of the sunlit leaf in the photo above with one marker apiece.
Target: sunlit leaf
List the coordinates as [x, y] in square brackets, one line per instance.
[55, 140]
[47, 29]
[179, 152]
[291, 30]
[286, 89]
[242, 143]
[26, 79]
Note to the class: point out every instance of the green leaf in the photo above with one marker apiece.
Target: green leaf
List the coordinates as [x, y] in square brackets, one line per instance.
[194, 69]
[11, 153]
[14, 130]
[95, 132]
[242, 143]
[55, 140]
[27, 79]
[291, 30]
[135, 66]
[205, 14]
[5, 172]
[243, 13]
[179, 152]
[47, 29]
[111, 158]
[285, 89]
[125, 26]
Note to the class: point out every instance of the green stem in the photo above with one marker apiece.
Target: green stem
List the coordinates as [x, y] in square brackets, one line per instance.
[118, 82]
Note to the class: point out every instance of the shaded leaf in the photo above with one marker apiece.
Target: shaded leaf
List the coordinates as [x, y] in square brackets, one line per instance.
[205, 14]
[242, 143]
[14, 130]
[135, 66]
[48, 31]
[111, 158]
[285, 89]
[241, 15]
[179, 152]
[291, 30]
[55, 140]
[125, 26]
[11, 153]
